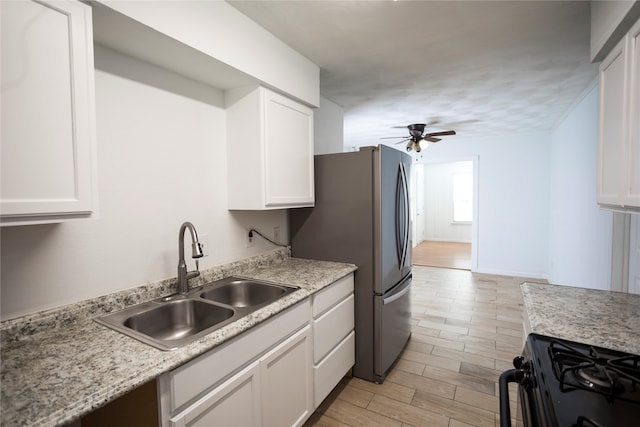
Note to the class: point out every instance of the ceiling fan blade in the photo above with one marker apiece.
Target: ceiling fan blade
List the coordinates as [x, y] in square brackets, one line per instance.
[404, 140]
[459, 123]
[446, 132]
[432, 139]
[392, 137]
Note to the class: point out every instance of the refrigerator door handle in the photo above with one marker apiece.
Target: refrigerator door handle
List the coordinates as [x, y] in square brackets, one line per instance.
[405, 211]
[399, 243]
[397, 295]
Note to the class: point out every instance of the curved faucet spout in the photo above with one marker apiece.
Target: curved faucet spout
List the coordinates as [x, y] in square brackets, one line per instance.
[196, 247]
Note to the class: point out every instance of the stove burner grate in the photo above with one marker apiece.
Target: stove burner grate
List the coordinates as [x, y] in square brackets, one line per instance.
[607, 374]
[596, 377]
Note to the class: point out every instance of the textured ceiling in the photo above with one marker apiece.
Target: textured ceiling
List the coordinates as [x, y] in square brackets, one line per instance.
[486, 68]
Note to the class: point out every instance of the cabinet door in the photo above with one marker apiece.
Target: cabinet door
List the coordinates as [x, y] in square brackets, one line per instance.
[287, 382]
[611, 141]
[288, 152]
[48, 129]
[632, 188]
[235, 403]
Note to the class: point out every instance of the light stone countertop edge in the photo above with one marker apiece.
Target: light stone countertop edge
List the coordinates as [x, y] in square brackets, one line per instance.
[596, 317]
[53, 377]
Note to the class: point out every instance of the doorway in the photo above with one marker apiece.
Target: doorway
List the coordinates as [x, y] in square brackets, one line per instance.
[444, 213]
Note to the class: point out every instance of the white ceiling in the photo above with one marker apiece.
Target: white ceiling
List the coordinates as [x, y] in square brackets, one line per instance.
[484, 67]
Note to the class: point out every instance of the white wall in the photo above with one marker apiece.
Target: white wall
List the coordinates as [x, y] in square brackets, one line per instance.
[513, 222]
[580, 231]
[161, 161]
[328, 127]
[438, 202]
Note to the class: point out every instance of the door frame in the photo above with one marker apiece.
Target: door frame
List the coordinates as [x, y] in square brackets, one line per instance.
[475, 160]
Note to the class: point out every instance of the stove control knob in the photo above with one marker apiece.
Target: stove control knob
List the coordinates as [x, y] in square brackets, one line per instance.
[526, 381]
[518, 362]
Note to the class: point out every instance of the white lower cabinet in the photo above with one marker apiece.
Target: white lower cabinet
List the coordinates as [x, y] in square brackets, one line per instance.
[238, 382]
[329, 371]
[333, 336]
[287, 382]
[275, 390]
[273, 375]
[234, 403]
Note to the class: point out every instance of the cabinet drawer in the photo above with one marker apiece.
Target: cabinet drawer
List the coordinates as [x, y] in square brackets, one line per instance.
[201, 374]
[328, 373]
[330, 328]
[331, 295]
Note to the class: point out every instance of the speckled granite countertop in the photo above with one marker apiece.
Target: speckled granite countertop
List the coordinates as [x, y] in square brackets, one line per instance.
[610, 319]
[60, 364]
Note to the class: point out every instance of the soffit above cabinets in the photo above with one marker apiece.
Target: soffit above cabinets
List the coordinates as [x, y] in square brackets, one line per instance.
[119, 32]
[207, 41]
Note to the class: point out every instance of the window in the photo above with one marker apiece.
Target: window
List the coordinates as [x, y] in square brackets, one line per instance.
[462, 197]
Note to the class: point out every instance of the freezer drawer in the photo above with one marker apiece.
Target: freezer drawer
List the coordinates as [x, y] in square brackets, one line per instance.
[393, 325]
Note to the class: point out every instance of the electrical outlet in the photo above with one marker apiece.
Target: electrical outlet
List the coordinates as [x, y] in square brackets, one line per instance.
[251, 238]
[276, 234]
[204, 242]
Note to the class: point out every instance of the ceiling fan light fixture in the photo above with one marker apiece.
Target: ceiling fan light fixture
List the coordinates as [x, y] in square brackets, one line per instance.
[414, 145]
[417, 135]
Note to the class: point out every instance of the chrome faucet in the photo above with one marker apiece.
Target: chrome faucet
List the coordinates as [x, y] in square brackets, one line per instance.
[196, 252]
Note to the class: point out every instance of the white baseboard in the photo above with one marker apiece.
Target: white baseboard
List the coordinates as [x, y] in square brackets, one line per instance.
[510, 273]
[437, 239]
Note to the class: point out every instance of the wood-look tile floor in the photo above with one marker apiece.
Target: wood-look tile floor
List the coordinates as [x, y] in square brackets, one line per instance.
[467, 328]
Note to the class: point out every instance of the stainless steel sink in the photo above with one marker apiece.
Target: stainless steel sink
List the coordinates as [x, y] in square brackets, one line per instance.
[168, 325]
[177, 319]
[245, 293]
[172, 322]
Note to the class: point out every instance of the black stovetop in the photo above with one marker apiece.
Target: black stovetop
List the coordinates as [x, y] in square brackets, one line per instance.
[583, 385]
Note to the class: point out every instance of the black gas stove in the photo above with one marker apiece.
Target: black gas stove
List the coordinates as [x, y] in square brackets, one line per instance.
[570, 384]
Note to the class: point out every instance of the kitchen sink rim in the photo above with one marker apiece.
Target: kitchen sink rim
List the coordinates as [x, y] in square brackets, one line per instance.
[116, 320]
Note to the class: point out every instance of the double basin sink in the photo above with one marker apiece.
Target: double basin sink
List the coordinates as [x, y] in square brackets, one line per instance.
[171, 322]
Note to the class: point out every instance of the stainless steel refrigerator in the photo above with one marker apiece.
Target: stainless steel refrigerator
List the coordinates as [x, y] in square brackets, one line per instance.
[361, 216]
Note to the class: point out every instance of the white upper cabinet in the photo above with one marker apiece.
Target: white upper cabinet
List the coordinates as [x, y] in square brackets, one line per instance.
[269, 151]
[619, 120]
[632, 194]
[48, 112]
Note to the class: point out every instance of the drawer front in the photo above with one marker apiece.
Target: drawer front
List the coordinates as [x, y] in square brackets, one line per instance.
[329, 296]
[330, 328]
[199, 375]
[330, 371]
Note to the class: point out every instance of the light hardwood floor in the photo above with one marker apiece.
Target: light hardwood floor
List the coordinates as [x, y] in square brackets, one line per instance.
[467, 328]
[442, 254]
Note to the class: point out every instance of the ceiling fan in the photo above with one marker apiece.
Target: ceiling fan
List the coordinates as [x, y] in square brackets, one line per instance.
[417, 134]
